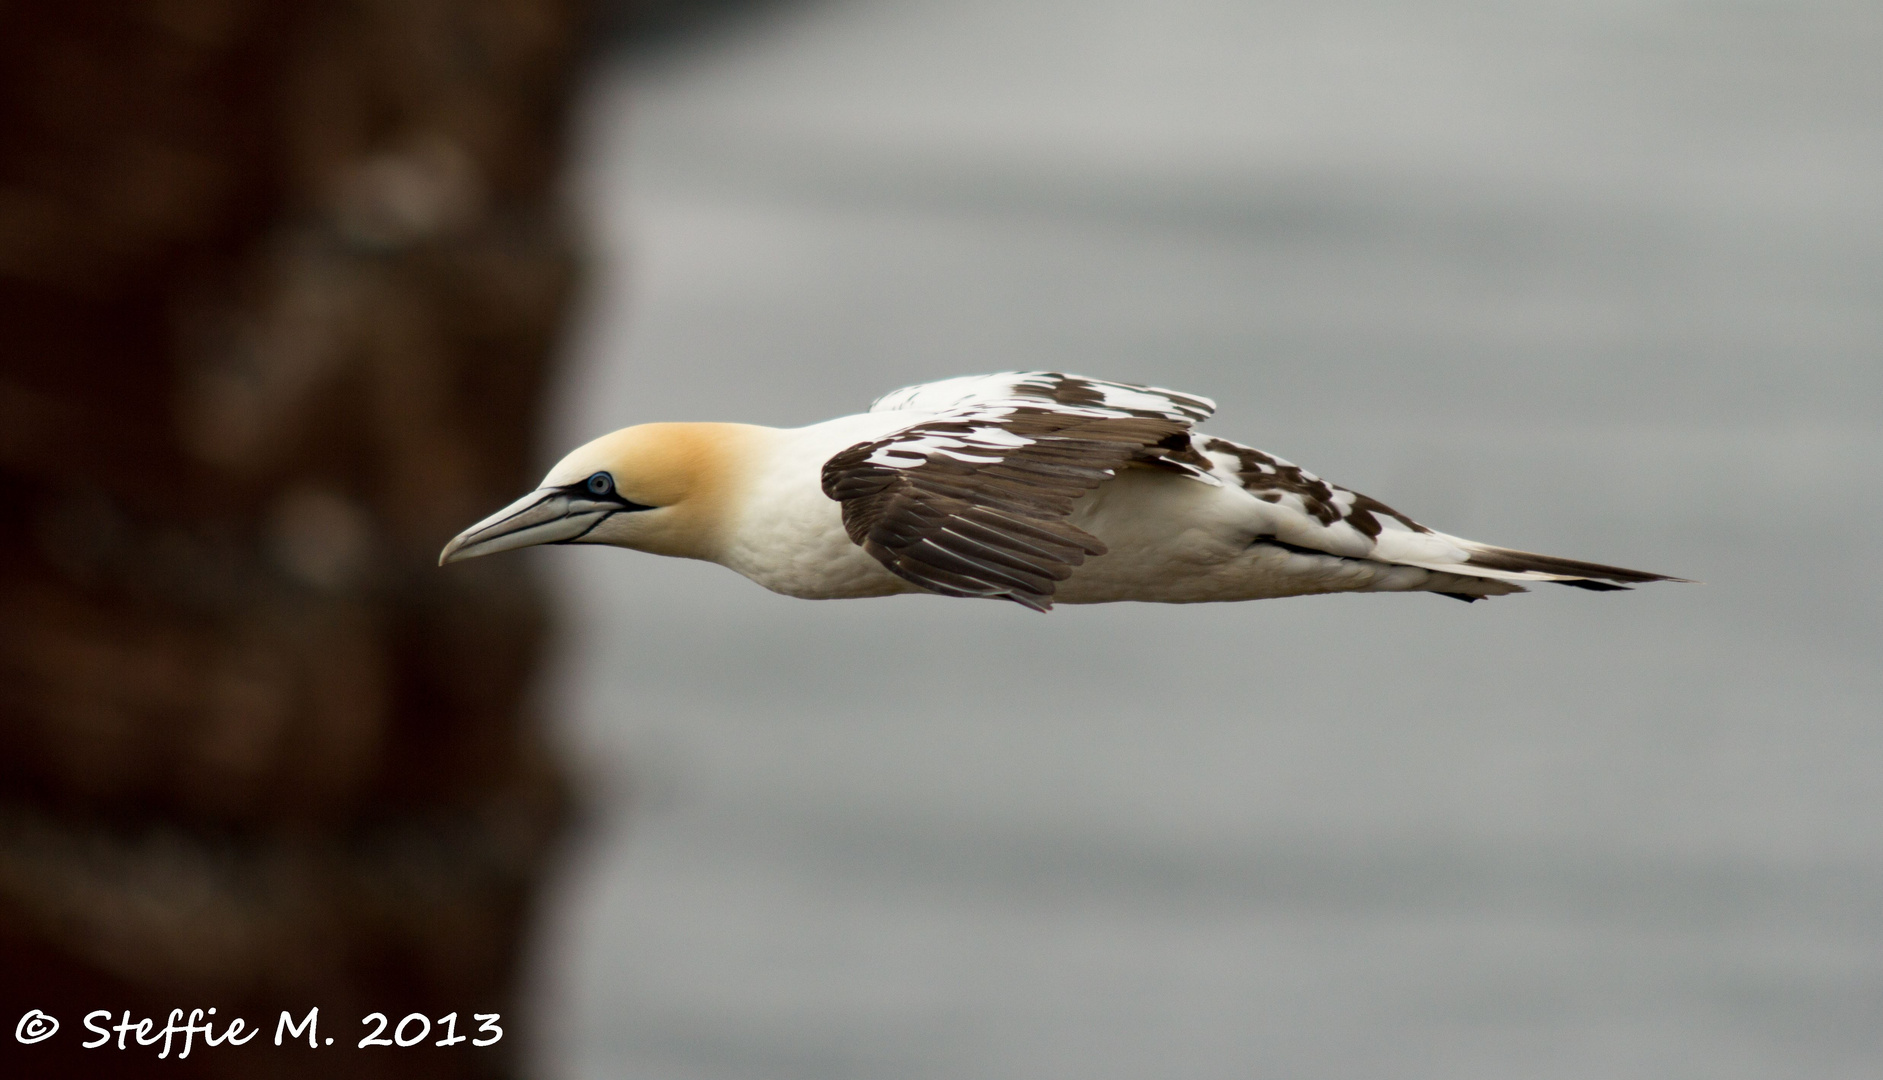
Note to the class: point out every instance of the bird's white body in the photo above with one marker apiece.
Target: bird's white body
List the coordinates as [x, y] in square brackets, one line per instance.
[1036, 487]
[1171, 539]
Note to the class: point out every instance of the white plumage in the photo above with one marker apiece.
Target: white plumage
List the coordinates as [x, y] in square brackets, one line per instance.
[1036, 487]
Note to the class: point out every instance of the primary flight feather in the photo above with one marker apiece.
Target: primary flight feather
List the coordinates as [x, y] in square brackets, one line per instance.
[1037, 487]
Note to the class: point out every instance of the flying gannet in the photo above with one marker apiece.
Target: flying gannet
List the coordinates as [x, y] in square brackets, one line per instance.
[1036, 487]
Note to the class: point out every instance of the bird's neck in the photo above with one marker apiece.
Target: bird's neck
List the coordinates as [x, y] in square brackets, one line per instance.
[714, 467]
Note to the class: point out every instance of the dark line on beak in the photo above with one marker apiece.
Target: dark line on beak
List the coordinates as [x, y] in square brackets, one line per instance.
[578, 536]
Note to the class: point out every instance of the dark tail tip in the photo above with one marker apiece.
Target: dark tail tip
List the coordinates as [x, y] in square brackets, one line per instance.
[1493, 558]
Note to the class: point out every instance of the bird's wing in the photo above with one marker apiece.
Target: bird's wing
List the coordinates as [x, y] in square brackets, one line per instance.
[1310, 511]
[972, 498]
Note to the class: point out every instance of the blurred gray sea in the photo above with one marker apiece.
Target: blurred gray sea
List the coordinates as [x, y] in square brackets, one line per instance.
[1602, 279]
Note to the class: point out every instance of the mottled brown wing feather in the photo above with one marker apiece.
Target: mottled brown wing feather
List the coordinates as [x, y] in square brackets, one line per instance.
[1270, 478]
[990, 521]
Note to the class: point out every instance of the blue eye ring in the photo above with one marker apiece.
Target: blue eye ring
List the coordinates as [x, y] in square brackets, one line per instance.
[600, 484]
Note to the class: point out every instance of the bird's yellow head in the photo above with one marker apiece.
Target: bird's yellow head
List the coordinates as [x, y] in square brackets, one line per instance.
[664, 488]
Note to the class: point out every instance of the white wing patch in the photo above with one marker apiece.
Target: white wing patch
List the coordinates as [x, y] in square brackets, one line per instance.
[981, 419]
[973, 444]
[1062, 392]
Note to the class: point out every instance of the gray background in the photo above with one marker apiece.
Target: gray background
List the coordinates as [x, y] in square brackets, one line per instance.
[1601, 279]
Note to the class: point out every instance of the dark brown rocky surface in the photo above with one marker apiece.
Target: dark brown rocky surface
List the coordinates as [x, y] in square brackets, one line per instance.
[279, 287]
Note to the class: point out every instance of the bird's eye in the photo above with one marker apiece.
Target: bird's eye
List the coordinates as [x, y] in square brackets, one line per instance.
[601, 484]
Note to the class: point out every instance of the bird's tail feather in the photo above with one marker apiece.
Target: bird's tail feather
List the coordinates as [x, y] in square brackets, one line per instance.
[1509, 564]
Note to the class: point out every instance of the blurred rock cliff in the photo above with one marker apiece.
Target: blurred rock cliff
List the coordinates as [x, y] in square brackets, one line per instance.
[279, 288]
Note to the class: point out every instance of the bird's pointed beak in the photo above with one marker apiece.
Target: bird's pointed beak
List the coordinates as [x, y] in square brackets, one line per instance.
[544, 516]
